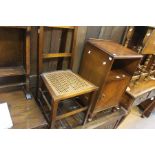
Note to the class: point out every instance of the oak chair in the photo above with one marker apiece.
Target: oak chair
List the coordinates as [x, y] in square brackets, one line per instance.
[56, 89]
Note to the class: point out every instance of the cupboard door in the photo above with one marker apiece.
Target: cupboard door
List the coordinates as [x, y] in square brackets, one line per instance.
[111, 95]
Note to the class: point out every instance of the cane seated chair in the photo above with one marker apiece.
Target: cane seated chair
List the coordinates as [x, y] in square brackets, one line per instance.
[57, 86]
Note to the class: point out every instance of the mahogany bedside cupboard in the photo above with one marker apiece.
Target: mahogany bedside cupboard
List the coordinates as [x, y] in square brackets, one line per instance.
[109, 66]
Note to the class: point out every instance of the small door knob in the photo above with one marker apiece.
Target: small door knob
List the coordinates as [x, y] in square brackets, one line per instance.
[89, 52]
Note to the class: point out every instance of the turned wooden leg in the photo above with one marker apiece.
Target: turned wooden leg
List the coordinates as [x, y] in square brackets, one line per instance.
[54, 113]
[90, 102]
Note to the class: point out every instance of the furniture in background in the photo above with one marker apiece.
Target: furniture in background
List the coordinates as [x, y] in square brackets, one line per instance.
[15, 58]
[110, 66]
[58, 91]
[14, 78]
[142, 93]
[147, 107]
[141, 40]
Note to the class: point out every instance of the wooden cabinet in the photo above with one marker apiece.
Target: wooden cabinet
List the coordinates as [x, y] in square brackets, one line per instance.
[15, 58]
[110, 66]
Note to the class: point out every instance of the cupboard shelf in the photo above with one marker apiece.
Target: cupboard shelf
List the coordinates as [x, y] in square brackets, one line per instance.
[13, 85]
[118, 74]
[11, 71]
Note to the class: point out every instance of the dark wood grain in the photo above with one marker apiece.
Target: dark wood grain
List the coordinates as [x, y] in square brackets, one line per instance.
[62, 47]
[11, 47]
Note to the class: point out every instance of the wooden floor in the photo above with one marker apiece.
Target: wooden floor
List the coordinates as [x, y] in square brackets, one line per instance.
[25, 114]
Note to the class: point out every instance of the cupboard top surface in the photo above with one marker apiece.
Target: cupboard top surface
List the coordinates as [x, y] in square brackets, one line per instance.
[116, 50]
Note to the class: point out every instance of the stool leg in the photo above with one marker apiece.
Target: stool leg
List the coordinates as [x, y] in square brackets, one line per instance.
[90, 102]
[54, 113]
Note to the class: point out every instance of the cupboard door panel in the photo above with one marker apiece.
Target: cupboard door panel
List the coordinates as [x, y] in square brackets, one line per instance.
[112, 94]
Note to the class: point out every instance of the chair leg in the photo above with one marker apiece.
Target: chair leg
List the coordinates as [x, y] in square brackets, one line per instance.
[90, 102]
[54, 113]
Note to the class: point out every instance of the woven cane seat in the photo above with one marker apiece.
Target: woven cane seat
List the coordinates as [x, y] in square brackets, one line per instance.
[66, 83]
